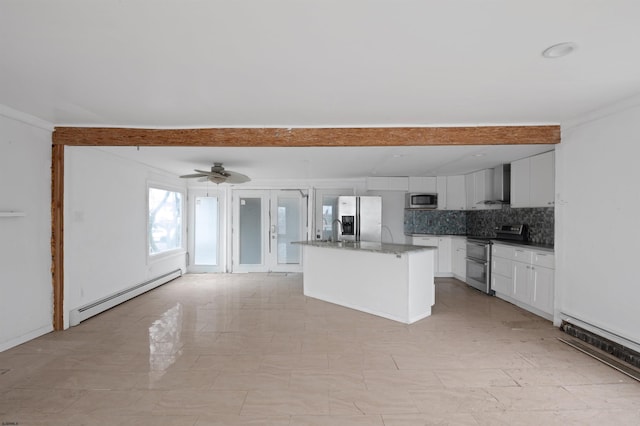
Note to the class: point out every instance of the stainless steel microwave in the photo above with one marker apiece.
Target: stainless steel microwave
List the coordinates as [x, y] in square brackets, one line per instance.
[421, 201]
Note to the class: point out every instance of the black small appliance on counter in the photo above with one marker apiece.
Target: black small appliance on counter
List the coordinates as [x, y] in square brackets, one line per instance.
[513, 232]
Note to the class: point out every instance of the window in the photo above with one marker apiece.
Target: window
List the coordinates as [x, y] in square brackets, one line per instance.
[165, 220]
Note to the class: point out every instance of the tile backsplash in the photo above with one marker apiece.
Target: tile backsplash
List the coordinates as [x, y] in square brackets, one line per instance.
[435, 222]
[481, 222]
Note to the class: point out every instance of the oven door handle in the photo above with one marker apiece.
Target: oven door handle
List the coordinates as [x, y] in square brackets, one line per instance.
[478, 261]
[483, 245]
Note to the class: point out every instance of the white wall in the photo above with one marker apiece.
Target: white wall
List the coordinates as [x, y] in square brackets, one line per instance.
[105, 225]
[597, 216]
[26, 296]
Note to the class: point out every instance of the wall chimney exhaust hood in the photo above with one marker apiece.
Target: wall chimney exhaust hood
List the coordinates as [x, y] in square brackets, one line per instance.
[501, 185]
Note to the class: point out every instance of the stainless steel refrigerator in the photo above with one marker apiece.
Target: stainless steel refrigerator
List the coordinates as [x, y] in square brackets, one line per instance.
[360, 218]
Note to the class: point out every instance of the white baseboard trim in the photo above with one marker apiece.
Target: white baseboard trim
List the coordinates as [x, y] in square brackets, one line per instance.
[77, 315]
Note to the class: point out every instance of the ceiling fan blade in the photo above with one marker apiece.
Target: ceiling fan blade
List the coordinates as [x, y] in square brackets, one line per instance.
[212, 173]
[237, 178]
[218, 175]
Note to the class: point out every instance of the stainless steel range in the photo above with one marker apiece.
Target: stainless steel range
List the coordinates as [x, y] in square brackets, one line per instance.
[479, 254]
[479, 264]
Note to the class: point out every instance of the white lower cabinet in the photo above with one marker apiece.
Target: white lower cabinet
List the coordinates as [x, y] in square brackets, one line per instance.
[544, 288]
[501, 285]
[459, 258]
[442, 256]
[522, 290]
[525, 277]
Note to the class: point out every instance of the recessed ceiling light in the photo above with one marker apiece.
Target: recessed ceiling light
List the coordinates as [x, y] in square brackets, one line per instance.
[559, 50]
[479, 155]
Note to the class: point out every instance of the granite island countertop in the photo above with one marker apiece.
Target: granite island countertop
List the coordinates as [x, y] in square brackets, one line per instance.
[371, 246]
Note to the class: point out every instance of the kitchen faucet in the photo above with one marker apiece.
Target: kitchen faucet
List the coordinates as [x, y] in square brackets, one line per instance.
[334, 229]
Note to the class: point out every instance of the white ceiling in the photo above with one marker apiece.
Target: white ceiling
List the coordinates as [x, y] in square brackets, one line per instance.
[338, 163]
[303, 63]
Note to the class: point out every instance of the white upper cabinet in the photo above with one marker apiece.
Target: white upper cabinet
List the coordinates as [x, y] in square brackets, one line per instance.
[450, 189]
[479, 187]
[383, 183]
[423, 184]
[441, 185]
[455, 193]
[520, 171]
[532, 181]
[542, 185]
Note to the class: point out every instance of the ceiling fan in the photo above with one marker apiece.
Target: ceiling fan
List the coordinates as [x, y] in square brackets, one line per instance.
[218, 174]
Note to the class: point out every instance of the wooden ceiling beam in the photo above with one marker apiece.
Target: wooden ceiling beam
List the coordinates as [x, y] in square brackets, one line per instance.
[308, 137]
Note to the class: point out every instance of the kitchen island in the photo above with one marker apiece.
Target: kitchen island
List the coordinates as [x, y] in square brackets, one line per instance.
[394, 281]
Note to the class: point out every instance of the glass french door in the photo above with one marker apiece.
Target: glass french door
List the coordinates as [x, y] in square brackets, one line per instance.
[265, 223]
[205, 232]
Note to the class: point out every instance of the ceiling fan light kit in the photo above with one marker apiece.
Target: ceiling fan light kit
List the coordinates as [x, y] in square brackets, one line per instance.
[218, 175]
[559, 50]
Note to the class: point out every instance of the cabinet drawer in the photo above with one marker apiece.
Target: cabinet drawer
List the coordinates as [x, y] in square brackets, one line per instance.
[425, 241]
[544, 259]
[502, 267]
[522, 255]
[502, 251]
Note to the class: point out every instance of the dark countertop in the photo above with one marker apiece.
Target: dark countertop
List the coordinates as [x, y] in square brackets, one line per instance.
[529, 244]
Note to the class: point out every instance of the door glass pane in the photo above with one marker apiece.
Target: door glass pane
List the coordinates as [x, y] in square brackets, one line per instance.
[250, 231]
[206, 231]
[288, 224]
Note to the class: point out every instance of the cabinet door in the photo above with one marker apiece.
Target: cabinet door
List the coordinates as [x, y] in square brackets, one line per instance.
[521, 286]
[429, 242]
[422, 184]
[444, 255]
[542, 177]
[501, 266]
[543, 288]
[460, 263]
[456, 196]
[484, 187]
[470, 191]
[520, 183]
[441, 184]
[398, 184]
[502, 285]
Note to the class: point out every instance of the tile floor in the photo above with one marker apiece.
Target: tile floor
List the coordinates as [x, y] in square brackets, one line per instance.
[250, 349]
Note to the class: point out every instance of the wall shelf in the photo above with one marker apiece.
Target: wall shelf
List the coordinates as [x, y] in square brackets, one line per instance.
[12, 214]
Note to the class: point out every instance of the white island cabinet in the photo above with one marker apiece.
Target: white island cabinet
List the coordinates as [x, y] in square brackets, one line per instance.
[393, 281]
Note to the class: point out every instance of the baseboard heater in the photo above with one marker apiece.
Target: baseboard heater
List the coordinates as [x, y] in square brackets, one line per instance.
[607, 346]
[76, 316]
